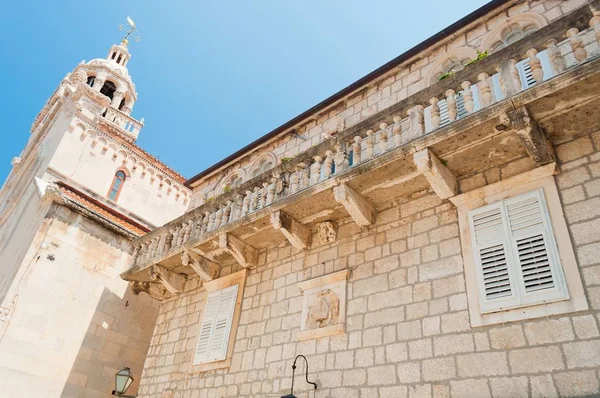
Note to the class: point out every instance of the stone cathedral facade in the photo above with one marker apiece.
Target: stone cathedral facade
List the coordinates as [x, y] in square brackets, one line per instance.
[432, 230]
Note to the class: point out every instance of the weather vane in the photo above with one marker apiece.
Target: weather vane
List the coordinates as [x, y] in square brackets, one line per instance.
[131, 29]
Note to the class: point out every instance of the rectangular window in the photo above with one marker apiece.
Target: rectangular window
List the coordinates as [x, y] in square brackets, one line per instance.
[215, 327]
[515, 254]
[218, 322]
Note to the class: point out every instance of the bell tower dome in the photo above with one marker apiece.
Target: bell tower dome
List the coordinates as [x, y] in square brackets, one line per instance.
[110, 77]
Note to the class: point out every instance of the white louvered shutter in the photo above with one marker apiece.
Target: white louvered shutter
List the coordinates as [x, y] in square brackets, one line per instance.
[215, 327]
[535, 251]
[515, 253]
[492, 257]
[526, 75]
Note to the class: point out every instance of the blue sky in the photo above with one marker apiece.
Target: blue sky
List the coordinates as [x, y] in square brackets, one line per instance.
[212, 76]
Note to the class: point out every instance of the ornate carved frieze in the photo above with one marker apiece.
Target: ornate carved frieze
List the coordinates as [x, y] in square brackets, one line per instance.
[323, 306]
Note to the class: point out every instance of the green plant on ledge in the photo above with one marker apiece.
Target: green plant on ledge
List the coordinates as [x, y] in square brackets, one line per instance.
[226, 188]
[480, 55]
[286, 159]
[445, 75]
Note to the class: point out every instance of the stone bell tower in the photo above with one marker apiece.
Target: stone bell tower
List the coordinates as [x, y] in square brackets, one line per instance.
[78, 194]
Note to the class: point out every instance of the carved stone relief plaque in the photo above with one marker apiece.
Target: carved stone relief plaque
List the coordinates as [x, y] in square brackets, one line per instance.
[327, 232]
[324, 306]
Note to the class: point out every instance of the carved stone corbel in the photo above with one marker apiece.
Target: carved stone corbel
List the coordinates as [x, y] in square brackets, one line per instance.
[439, 177]
[361, 211]
[532, 136]
[244, 254]
[155, 290]
[297, 234]
[206, 269]
[175, 283]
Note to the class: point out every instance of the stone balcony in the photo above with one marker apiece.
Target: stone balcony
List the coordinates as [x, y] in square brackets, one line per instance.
[125, 125]
[484, 116]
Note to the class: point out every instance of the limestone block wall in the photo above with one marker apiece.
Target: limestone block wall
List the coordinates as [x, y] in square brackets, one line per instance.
[408, 78]
[72, 322]
[408, 330]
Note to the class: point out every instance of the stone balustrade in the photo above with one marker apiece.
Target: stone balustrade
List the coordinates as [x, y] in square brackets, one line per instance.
[545, 54]
[125, 122]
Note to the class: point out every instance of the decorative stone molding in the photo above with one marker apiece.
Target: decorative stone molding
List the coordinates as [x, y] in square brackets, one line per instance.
[244, 254]
[323, 306]
[531, 134]
[155, 290]
[175, 283]
[361, 211]
[297, 234]
[439, 177]
[206, 269]
[327, 232]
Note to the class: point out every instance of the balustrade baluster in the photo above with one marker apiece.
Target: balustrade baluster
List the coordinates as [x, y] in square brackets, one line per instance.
[161, 243]
[315, 170]
[468, 96]
[142, 253]
[436, 120]
[383, 138]
[369, 145]
[263, 194]
[397, 131]
[536, 65]
[595, 24]
[556, 59]
[327, 166]
[135, 254]
[295, 180]
[175, 236]
[205, 222]
[577, 44]
[237, 207]
[416, 118]
[226, 213]
[270, 197]
[356, 149]
[246, 203]
[451, 105]
[169, 239]
[340, 159]
[255, 200]
[304, 175]
[218, 217]
[485, 90]
[211, 221]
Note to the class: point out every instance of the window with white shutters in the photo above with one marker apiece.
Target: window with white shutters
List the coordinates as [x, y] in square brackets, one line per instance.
[215, 327]
[515, 253]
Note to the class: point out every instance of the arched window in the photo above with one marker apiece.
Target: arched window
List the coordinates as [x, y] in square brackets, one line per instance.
[108, 89]
[117, 185]
[511, 34]
[90, 80]
[264, 165]
[513, 29]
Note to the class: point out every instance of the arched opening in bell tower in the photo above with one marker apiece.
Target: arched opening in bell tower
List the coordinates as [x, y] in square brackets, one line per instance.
[108, 89]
